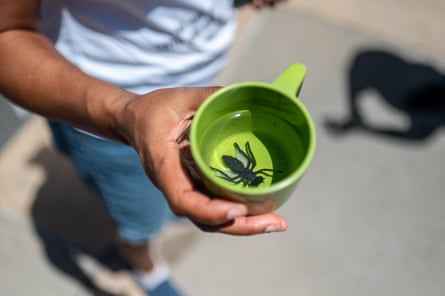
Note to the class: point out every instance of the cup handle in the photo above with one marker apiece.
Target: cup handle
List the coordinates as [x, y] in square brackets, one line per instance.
[291, 80]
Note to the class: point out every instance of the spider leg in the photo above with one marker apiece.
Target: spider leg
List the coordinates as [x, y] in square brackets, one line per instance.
[236, 179]
[242, 156]
[268, 172]
[250, 156]
[222, 174]
[219, 173]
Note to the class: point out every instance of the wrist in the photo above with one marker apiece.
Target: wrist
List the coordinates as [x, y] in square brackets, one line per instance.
[123, 116]
[106, 113]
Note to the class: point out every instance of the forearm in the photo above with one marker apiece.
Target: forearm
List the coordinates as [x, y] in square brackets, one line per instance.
[34, 75]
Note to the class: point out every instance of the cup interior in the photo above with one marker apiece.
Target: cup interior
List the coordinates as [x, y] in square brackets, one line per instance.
[272, 129]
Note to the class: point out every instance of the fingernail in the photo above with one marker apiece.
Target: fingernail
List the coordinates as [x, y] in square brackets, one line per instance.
[283, 226]
[272, 228]
[235, 213]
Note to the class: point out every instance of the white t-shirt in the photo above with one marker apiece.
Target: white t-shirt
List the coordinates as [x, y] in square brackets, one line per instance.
[142, 45]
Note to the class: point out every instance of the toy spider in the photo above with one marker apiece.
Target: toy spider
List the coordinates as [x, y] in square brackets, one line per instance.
[241, 168]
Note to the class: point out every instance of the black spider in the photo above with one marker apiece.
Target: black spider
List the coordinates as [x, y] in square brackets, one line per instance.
[241, 168]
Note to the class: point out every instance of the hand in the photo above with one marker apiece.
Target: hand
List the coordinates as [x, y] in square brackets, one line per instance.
[155, 124]
[261, 3]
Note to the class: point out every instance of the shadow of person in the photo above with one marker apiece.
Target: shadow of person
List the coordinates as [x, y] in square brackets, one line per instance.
[417, 90]
[70, 222]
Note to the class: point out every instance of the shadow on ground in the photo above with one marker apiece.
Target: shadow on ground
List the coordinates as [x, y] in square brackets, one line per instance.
[70, 221]
[415, 89]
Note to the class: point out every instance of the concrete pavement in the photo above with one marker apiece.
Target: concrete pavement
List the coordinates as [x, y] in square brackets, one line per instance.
[366, 220]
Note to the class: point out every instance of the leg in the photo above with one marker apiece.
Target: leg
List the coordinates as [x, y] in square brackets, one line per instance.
[138, 256]
[234, 179]
[250, 156]
[136, 206]
[265, 172]
[268, 172]
[242, 156]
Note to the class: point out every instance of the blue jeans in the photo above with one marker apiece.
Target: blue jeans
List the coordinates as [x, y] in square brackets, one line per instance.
[114, 171]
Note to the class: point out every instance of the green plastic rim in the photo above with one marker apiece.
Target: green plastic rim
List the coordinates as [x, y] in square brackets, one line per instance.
[252, 191]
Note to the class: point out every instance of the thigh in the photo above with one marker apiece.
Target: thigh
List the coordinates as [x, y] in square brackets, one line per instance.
[114, 171]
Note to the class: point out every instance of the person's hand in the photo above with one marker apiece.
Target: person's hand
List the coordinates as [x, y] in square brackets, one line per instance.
[155, 124]
[261, 3]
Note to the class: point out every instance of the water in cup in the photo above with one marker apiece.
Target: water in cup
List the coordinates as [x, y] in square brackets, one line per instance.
[274, 144]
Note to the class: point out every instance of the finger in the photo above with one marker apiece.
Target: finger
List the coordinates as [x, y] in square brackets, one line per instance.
[212, 214]
[250, 225]
[183, 198]
[256, 225]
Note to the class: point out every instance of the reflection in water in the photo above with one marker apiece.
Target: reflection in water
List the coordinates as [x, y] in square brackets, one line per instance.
[416, 90]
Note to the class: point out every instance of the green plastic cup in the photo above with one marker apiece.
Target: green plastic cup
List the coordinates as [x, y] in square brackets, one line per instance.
[253, 141]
